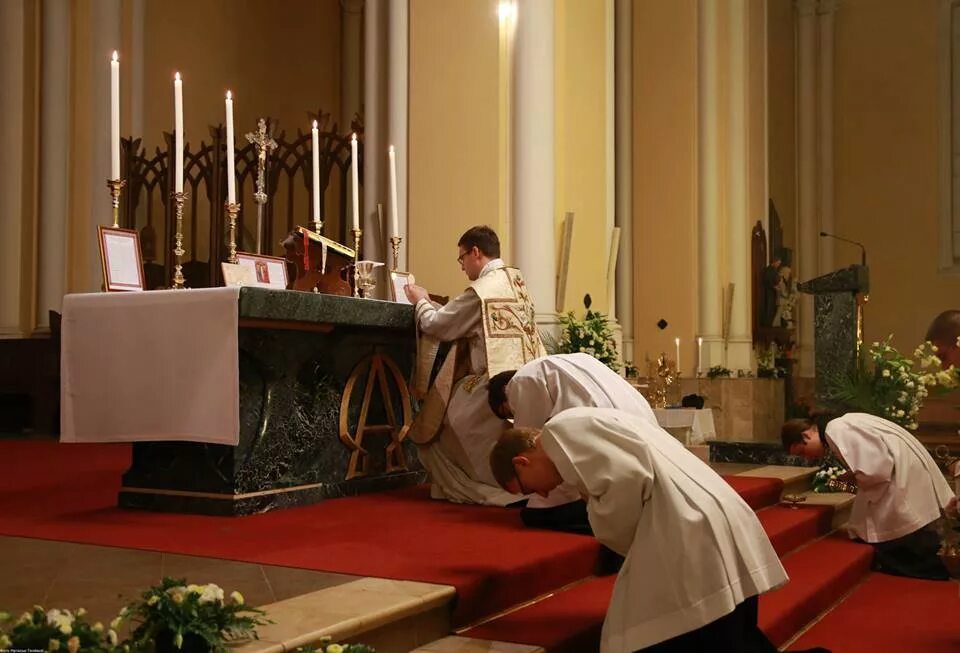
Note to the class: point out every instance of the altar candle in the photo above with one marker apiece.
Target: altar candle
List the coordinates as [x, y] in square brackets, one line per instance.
[178, 130]
[394, 223]
[356, 182]
[231, 173]
[676, 341]
[115, 117]
[315, 134]
[699, 355]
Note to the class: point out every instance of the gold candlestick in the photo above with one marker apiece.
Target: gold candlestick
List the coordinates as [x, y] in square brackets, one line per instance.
[357, 234]
[318, 227]
[395, 244]
[232, 208]
[115, 185]
[178, 252]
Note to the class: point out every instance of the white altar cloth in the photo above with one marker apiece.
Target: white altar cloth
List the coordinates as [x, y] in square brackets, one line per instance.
[690, 425]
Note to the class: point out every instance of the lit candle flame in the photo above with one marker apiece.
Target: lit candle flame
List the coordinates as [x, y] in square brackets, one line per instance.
[229, 95]
[176, 77]
[115, 56]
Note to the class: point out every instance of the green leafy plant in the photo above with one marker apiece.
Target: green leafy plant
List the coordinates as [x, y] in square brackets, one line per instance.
[592, 335]
[718, 371]
[173, 609]
[333, 647]
[829, 471]
[56, 630]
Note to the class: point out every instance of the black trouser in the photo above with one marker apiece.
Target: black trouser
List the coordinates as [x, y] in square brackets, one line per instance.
[736, 632]
[914, 556]
[571, 518]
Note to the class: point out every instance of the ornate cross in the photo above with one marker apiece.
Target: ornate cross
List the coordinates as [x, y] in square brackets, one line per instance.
[264, 144]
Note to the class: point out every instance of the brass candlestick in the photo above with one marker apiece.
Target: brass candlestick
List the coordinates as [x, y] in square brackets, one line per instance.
[395, 244]
[357, 234]
[115, 185]
[178, 199]
[232, 208]
[318, 227]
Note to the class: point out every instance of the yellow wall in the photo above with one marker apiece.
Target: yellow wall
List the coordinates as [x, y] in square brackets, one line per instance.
[454, 160]
[665, 175]
[886, 149]
[781, 103]
[581, 164]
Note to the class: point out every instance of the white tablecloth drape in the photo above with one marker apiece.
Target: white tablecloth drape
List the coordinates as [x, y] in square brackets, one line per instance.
[144, 366]
[691, 425]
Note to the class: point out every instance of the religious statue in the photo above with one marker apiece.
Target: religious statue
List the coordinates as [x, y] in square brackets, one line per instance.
[786, 298]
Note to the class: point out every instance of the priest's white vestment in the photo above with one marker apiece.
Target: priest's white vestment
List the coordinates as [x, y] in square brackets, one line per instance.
[694, 549]
[547, 386]
[900, 487]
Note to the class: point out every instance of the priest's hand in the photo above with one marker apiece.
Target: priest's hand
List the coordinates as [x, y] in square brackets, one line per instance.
[415, 293]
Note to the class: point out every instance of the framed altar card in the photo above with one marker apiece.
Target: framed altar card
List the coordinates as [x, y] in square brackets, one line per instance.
[120, 259]
[237, 275]
[397, 281]
[266, 271]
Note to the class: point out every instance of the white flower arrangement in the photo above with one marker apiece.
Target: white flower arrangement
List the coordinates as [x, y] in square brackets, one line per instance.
[591, 335]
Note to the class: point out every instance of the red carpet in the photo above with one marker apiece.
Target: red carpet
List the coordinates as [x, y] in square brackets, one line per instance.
[788, 528]
[892, 615]
[757, 492]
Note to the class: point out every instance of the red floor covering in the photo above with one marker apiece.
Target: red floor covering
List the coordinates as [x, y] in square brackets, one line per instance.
[68, 492]
[888, 614]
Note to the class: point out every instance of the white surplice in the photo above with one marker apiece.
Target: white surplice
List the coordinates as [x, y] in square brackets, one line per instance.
[547, 386]
[694, 549]
[459, 459]
[901, 489]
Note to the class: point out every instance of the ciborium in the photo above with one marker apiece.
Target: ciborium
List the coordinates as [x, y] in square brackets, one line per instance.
[367, 276]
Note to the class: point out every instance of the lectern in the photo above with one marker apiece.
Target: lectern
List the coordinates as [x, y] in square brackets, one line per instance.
[838, 320]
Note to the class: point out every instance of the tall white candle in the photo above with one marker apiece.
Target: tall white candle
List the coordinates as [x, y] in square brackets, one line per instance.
[115, 117]
[231, 172]
[356, 181]
[699, 355]
[178, 129]
[676, 341]
[316, 171]
[394, 223]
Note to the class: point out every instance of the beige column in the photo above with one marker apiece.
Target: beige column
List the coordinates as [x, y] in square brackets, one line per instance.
[825, 15]
[623, 102]
[54, 157]
[709, 209]
[351, 44]
[533, 174]
[806, 266]
[398, 38]
[374, 133]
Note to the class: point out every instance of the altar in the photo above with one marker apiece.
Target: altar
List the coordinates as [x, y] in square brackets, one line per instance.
[241, 400]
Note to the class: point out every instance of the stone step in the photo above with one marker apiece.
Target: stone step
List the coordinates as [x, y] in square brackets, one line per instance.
[455, 644]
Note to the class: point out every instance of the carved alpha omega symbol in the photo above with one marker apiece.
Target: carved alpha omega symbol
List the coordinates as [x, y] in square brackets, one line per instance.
[376, 367]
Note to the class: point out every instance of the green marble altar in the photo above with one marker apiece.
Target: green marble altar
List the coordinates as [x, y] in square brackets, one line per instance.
[298, 354]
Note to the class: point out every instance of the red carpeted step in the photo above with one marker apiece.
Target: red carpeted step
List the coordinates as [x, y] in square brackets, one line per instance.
[789, 528]
[757, 491]
[888, 614]
[819, 575]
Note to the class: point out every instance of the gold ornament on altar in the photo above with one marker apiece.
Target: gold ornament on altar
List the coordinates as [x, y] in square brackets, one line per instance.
[367, 276]
[662, 381]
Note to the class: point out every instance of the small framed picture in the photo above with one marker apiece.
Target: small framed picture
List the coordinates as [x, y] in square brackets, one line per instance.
[266, 271]
[237, 275]
[397, 282]
[120, 259]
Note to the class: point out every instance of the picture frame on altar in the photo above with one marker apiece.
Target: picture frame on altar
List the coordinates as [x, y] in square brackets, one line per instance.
[237, 275]
[264, 271]
[120, 259]
[397, 282]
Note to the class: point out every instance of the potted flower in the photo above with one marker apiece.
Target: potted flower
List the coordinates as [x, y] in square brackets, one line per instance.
[56, 630]
[592, 335]
[327, 646]
[175, 616]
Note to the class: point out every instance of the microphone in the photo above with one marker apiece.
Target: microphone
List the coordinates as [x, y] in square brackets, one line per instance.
[863, 250]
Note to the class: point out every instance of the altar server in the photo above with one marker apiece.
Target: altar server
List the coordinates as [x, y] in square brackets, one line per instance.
[696, 554]
[491, 327]
[944, 332]
[901, 491]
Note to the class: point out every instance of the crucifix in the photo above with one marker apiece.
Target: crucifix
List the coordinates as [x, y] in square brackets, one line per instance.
[264, 144]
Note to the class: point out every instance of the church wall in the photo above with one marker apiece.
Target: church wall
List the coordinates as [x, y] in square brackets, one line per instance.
[665, 176]
[454, 162]
[581, 148]
[781, 107]
[886, 149]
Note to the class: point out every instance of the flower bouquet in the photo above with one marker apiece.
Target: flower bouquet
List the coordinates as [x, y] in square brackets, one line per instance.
[56, 630]
[333, 647]
[829, 478]
[174, 616]
[591, 335]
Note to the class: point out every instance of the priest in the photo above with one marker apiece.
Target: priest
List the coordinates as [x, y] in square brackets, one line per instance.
[900, 490]
[490, 327]
[540, 390]
[697, 556]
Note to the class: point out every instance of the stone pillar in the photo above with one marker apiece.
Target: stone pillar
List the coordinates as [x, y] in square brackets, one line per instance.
[397, 100]
[623, 67]
[709, 208]
[374, 131]
[740, 342]
[54, 156]
[806, 267]
[351, 38]
[825, 131]
[533, 169]
[131, 72]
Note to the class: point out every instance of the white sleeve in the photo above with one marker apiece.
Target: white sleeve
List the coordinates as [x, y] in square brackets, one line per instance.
[451, 322]
[863, 452]
[530, 401]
